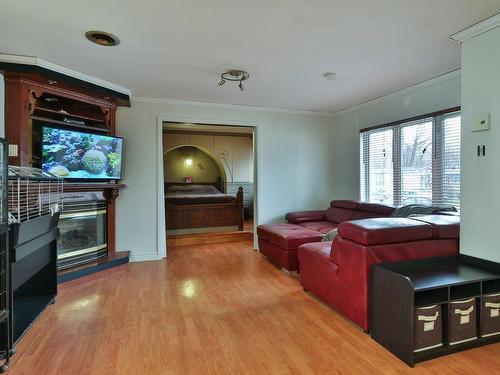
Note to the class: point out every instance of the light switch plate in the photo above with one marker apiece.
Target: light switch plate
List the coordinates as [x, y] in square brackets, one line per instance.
[481, 122]
[13, 151]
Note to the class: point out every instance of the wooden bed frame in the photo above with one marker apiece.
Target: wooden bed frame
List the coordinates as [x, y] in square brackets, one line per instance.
[207, 214]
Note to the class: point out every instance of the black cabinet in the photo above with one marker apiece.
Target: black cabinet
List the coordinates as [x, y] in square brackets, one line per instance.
[34, 201]
[423, 309]
[33, 278]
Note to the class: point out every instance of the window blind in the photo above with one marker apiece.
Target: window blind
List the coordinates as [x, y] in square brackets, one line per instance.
[377, 162]
[412, 162]
[446, 191]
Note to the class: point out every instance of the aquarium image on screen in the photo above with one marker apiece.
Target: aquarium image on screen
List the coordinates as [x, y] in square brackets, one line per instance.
[78, 155]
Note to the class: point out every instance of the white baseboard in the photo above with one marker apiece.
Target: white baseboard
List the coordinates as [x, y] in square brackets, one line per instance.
[145, 257]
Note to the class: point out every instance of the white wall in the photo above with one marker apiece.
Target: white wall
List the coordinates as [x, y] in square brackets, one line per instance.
[480, 205]
[293, 158]
[2, 106]
[434, 95]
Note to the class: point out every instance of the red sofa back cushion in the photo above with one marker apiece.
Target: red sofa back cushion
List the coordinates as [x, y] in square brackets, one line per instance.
[375, 208]
[350, 205]
[339, 215]
[345, 210]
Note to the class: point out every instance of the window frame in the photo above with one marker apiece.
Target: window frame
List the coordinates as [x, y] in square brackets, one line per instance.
[437, 154]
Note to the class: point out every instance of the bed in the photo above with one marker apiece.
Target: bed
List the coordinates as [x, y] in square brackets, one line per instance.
[200, 205]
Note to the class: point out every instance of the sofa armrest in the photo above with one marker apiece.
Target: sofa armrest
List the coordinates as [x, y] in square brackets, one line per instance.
[305, 216]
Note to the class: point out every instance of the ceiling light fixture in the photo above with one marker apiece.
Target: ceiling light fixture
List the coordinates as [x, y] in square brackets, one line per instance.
[234, 76]
[330, 76]
[102, 38]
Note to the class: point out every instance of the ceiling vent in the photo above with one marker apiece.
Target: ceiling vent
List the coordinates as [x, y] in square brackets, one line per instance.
[102, 38]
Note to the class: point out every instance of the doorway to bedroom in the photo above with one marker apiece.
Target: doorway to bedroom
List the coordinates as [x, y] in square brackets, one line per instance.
[208, 183]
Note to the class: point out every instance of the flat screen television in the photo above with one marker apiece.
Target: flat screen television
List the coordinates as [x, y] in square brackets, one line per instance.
[81, 156]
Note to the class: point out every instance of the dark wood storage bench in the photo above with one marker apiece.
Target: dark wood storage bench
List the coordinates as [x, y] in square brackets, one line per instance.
[427, 308]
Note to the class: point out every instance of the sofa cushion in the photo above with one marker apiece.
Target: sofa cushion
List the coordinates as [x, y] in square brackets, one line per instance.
[339, 215]
[350, 205]
[288, 236]
[385, 230]
[443, 226]
[320, 226]
[358, 215]
[375, 208]
[304, 216]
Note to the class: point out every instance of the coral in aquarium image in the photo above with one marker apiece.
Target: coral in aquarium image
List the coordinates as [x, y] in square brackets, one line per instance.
[94, 161]
[71, 154]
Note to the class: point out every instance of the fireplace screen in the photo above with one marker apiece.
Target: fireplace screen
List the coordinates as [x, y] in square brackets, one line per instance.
[82, 235]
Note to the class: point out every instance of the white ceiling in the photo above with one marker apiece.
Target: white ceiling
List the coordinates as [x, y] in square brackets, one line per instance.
[176, 49]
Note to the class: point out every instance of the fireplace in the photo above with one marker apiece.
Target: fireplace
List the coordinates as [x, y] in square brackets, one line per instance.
[82, 230]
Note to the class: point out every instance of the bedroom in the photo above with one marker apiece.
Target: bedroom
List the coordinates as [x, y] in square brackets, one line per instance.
[209, 190]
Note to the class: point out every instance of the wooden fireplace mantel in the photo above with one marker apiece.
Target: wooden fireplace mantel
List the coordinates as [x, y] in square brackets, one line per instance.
[27, 110]
[110, 190]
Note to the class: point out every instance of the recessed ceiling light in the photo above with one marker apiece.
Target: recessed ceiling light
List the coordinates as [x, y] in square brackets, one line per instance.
[330, 76]
[102, 38]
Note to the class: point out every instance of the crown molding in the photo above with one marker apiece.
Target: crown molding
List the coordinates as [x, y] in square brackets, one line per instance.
[140, 99]
[406, 91]
[477, 29]
[36, 61]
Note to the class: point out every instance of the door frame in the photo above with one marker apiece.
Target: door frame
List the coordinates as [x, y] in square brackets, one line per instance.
[162, 235]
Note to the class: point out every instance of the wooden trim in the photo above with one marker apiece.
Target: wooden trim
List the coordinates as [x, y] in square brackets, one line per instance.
[239, 199]
[211, 133]
[121, 99]
[70, 125]
[399, 122]
[40, 88]
[17, 121]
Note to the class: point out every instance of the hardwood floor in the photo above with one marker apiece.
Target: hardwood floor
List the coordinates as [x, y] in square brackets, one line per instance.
[209, 309]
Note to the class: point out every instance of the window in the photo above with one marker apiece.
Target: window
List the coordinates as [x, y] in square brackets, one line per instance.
[412, 162]
[377, 149]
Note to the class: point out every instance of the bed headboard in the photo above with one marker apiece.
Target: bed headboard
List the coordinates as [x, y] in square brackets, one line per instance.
[219, 184]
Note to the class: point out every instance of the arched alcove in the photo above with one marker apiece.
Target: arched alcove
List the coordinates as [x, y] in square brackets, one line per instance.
[204, 167]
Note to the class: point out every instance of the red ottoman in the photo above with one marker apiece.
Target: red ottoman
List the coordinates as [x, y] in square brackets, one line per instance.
[279, 243]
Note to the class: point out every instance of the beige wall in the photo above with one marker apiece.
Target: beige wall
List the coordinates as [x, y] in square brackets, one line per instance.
[238, 151]
[203, 169]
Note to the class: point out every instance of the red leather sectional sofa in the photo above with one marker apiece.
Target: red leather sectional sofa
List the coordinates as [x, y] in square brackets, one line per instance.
[279, 242]
[338, 272]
